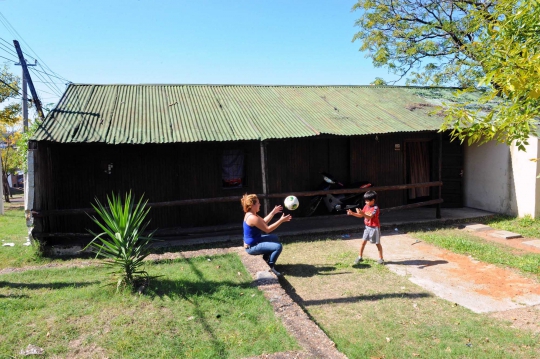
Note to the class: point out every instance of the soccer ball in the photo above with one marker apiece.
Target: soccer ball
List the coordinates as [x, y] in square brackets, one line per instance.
[291, 203]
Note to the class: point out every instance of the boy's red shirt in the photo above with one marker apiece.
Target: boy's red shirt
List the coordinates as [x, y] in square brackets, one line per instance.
[373, 221]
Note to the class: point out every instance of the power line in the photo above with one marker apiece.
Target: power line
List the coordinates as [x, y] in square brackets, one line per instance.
[7, 42]
[7, 59]
[41, 62]
[8, 48]
[11, 87]
[50, 93]
[49, 76]
[60, 78]
[44, 81]
[3, 23]
[47, 84]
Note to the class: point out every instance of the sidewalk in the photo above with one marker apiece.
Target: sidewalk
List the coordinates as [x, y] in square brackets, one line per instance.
[460, 279]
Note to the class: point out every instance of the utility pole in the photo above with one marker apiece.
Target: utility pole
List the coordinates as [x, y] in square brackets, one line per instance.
[26, 75]
[25, 96]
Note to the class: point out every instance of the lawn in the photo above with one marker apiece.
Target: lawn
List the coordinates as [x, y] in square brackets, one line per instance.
[13, 230]
[208, 309]
[370, 312]
[202, 307]
[198, 308]
[526, 226]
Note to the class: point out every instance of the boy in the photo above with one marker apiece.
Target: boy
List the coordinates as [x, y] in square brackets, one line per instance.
[372, 233]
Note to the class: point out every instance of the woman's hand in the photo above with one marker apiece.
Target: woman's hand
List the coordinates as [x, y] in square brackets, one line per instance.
[277, 209]
[350, 213]
[285, 218]
[268, 218]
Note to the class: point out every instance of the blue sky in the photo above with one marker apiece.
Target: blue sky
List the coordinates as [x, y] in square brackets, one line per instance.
[292, 42]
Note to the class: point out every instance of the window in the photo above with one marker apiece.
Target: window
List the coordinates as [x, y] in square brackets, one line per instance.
[232, 164]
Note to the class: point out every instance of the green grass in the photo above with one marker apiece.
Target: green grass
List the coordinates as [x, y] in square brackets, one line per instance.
[464, 243]
[197, 309]
[13, 230]
[360, 307]
[526, 226]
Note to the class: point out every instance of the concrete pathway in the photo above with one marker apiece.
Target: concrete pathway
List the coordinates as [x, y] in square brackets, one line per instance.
[457, 278]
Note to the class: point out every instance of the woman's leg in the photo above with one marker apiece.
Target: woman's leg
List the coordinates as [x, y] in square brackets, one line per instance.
[269, 247]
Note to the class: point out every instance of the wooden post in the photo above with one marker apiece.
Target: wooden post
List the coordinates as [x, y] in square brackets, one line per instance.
[438, 210]
[29, 192]
[264, 173]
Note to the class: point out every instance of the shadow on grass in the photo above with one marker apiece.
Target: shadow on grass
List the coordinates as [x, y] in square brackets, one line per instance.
[360, 298]
[185, 289]
[362, 266]
[13, 296]
[193, 291]
[306, 270]
[421, 263]
[364, 298]
[58, 285]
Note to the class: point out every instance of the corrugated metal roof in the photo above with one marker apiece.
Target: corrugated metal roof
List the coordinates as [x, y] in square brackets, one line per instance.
[141, 114]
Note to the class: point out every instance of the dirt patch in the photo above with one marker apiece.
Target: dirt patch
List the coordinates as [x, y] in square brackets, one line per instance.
[486, 279]
[78, 350]
[72, 264]
[499, 283]
[522, 318]
[189, 254]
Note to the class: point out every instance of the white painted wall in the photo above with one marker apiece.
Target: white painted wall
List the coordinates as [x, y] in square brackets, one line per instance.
[499, 178]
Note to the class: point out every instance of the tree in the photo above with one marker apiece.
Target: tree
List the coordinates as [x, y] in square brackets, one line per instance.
[489, 46]
[9, 89]
[9, 117]
[10, 158]
[379, 82]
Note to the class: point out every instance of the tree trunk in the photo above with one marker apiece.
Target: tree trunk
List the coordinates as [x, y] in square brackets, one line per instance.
[6, 187]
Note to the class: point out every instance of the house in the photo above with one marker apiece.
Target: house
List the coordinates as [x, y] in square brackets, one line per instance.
[501, 179]
[193, 150]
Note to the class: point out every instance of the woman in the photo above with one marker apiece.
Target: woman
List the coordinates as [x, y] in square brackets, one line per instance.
[254, 241]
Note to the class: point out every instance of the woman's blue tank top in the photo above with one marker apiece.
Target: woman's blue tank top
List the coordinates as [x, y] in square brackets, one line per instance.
[252, 235]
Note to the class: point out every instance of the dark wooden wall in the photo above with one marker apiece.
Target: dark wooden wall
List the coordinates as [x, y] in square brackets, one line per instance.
[70, 176]
[452, 173]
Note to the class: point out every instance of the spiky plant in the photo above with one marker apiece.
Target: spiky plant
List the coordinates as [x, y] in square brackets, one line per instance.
[121, 244]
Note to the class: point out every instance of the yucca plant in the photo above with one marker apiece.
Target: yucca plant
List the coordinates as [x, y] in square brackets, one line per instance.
[122, 243]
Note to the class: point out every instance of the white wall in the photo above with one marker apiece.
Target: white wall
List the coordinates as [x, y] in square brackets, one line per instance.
[499, 178]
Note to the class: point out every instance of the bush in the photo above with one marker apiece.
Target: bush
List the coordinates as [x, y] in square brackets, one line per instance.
[121, 243]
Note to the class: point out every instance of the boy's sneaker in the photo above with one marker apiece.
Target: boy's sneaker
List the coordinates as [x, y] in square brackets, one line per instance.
[380, 261]
[358, 260]
[273, 270]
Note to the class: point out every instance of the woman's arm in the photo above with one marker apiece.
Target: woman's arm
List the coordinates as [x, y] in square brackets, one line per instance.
[263, 226]
[277, 209]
